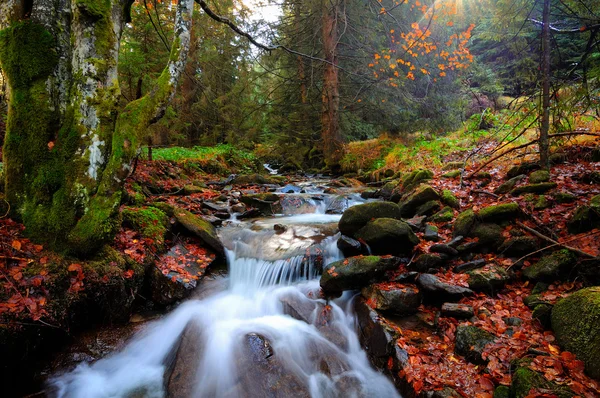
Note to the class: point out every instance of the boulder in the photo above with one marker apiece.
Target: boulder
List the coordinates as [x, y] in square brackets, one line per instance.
[509, 185]
[183, 363]
[523, 168]
[427, 261]
[200, 228]
[563, 197]
[501, 212]
[586, 217]
[489, 235]
[356, 217]
[551, 266]
[388, 236]
[524, 379]
[428, 208]
[576, 324]
[538, 188]
[421, 195]
[452, 174]
[471, 341]
[252, 179]
[469, 266]
[446, 214]
[436, 290]
[350, 247]
[458, 311]
[431, 233]
[355, 272]
[489, 279]
[443, 249]
[543, 313]
[267, 203]
[337, 205]
[394, 298]
[519, 246]
[464, 223]
[449, 199]
[415, 177]
[539, 176]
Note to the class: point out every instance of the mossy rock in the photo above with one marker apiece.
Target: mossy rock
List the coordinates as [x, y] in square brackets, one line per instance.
[416, 177]
[421, 195]
[501, 212]
[483, 175]
[502, 392]
[563, 197]
[355, 272]
[446, 214]
[576, 324]
[489, 235]
[452, 174]
[449, 199]
[489, 280]
[519, 246]
[586, 217]
[197, 226]
[464, 223]
[453, 166]
[388, 236]
[427, 261]
[356, 217]
[471, 341]
[267, 203]
[539, 188]
[551, 267]
[525, 379]
[541, 203]
[509, 185]
[388, 189]
[150, 222]
[429, 208]
[539, 176]
[542, 312]
[523, 168]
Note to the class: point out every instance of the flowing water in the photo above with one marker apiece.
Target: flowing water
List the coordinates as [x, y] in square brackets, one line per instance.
[268, 334]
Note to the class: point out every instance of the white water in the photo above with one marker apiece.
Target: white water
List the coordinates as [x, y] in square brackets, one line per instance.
[252, 304]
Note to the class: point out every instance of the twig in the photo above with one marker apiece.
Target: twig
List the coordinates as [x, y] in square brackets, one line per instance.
[29, 260]
[7, 211]
[555, 243]
[485, 193]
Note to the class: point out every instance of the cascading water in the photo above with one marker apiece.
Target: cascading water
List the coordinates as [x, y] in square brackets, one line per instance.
[269, 334]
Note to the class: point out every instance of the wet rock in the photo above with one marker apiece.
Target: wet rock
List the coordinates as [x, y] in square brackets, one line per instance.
[488, 280]
[417, 224]
[356, 217]
[469, 266]
[350, 247]
[267, 203]
[280, 228]
[427, 261]
[455, 241]
[431, 233]
[539, 176]
[586, 218]
[538, 188]
[388, 236]
[299, 307]
[436, 290]
[519, 246]
[509, 185]
[368, 194]
[501, 212]
[215, 207]
[338, 205]
[200, 228]
[551, 266]
[446, 214]
[422, 194]
[443, 248]
[388, 189]
[183, 363]
[393, 298]
[251, 213]
[355, 272]
[458, 311]
[524, 380]
[464, 223]
[575, 321]
[289, 188]
[377, 340]
[471, 341]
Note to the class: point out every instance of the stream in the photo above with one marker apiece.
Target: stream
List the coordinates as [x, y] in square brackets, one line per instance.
[267, 333]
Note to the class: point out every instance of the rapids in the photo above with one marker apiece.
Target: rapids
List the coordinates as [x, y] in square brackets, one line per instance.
[268, 273]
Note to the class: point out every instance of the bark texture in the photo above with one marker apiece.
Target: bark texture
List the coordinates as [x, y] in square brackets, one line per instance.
[67, 149]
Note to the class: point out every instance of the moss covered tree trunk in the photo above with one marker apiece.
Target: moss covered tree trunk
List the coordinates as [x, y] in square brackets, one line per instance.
[67, 149]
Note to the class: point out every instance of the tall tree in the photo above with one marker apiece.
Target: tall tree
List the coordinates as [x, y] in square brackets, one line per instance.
[68, 149]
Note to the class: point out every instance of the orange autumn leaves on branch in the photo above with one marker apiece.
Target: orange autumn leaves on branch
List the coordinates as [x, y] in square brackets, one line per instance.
[424, 48]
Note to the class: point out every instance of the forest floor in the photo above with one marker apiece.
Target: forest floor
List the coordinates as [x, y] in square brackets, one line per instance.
[40, 289]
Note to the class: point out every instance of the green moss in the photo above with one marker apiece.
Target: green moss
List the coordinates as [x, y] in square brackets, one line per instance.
[551, 266]
[452, 174]
[501, 212]
[575, 321]
[539, 188]
[449, 199]
[416, 177]
[422, 194]
[524, 379]
[539, 176]
[149, 221]
[446, 214]
[502, 392]
[464, 223]
[541, 203]
[489, 235]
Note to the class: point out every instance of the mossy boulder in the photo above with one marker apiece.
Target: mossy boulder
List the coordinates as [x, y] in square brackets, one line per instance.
[489, 280]
[489, 235]
[427, 261]
[356, 217]
[525, 379]
[538, 188]
[542, 312]
[519, 246]
[267, 203]
[576, 324]
[509, 185]
[421, 195]
[502, 392]
[523, 168]
[452, 174]
[388, 189]
[446, 214]
[453, 166]
[355, 272]
[464, 223]
[253, 179]
[563, 197]
[448, 198]
[551, 267]
[501, 212]
[150, 222]
[541, 203]
[471, 341]
[428, 208]
[200, 228]
[388, 236]
[416, 177]
[539, 176]
[586, 217]
[393, 298]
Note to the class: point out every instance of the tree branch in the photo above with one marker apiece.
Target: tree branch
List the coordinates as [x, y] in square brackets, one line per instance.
[573, 30]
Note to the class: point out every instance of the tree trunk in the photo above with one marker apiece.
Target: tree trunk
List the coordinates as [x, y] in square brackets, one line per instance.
[545, 124]
[330, 124]
[67, 150]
